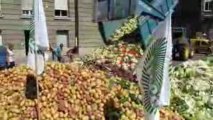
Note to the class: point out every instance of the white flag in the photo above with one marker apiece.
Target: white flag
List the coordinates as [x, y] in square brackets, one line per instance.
[41, 35]
[165, 31]
[153, 76]
[39, 42]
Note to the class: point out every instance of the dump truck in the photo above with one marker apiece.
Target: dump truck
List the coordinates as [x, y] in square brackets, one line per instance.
[202, 45]
[151, 13]
[182, 47]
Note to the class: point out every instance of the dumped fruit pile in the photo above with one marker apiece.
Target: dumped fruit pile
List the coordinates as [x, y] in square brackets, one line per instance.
[192, 90]
[128, 27]
[13, 103]
[123, 55]
[69, 91]
[118, 60]
[191, 82]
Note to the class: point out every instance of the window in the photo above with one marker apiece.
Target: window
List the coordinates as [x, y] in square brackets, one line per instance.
[113, 9]
[27, 6]
[207, 5]
[61, 8]
[27, 12]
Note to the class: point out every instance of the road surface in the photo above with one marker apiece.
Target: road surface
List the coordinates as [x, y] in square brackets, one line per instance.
[196, 57]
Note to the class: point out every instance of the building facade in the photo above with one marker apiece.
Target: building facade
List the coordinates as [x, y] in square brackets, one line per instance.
[188, 14]
[60, 15]
[207, 17]
[196, 16]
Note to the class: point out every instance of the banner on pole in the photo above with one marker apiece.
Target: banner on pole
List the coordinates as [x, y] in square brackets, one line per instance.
[153, 76]
[39, 41]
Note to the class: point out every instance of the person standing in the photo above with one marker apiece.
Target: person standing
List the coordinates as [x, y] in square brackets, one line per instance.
[3, 57]
[58, 52]
[10, 56]
[52, 52]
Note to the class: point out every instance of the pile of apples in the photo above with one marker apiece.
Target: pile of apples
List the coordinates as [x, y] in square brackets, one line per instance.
[128, 27]
[119, 59]
[71, 92]
[123, 55]
[14, 105]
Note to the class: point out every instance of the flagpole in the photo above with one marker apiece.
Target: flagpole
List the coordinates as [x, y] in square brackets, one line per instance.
[37, 86]
[36, 75]
[39, 42]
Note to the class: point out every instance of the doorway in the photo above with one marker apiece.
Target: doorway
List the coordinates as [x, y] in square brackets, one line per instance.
[62, 38]
[27, 38]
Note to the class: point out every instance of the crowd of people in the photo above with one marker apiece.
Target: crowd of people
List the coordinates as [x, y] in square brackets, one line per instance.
[57, 53]
[7, 55]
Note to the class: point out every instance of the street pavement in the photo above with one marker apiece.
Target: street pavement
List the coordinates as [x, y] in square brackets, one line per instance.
[22, 59]
[195, 57]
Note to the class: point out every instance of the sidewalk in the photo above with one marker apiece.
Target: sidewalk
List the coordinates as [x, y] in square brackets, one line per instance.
[21, 58]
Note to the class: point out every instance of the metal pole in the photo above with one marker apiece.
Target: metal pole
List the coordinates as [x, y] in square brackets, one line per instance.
[37, 85]
[36, 70]
[76, 26]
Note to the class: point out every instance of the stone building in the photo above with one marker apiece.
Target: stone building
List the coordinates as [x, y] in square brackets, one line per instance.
[60, 15]
[207, 17]
[188, 14]
[195, 15]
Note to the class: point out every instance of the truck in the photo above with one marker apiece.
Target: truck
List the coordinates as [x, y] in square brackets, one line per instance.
[182, 47]
[202, 45]
[151, 13]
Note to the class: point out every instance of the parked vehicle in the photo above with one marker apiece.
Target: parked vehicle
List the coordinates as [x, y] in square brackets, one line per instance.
[182, 48]
[202, 45]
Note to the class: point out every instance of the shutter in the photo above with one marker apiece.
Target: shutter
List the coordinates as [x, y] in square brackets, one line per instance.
[61, 5]
[27, 4]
